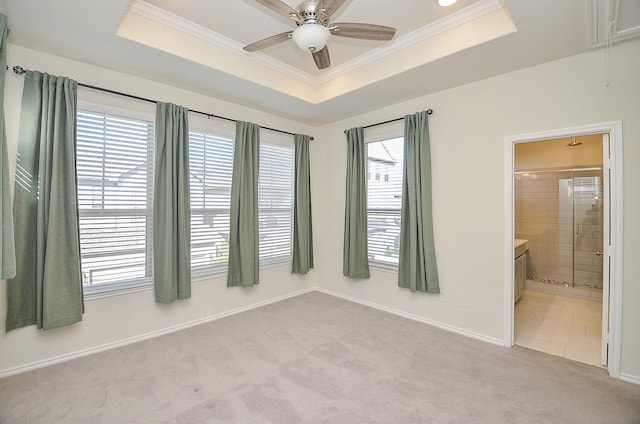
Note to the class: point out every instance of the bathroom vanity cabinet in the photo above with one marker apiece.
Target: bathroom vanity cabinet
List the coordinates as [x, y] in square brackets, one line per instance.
[520, 268]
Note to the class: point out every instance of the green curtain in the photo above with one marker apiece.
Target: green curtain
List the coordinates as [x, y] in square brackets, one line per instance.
[355, 256]
[7, 245]
[417, 269]
[47, 290]
[243, 225]
[302, 222]
[171, 209]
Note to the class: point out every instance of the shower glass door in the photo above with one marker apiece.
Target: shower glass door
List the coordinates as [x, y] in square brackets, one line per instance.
[560, 214]
[588, 226]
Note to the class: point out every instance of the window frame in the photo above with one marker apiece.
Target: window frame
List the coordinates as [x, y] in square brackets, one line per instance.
[226, 130]
[134, 284]
[288, 143]
[217, 129]
[389, 131]
[221, 268]
[126, 108]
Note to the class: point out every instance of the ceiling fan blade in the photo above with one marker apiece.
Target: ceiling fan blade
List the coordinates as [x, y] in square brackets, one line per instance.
[363, 31]
[268, 42]
[322, 59]
[331, 6]
[278, 7]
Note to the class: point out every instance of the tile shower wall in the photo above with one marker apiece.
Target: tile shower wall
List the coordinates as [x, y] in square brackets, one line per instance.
[561, 217]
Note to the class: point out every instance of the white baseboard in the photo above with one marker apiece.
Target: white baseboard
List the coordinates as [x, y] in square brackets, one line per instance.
[85, 352]
[398, 312]
[630, 378]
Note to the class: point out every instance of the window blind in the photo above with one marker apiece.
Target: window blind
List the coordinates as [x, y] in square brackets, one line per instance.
[115, 157]
[384, 199]
[115, 180]
[275, 200]
[211, 168]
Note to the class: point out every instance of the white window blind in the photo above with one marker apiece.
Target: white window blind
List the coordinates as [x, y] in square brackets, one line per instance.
[211, 168]
[275, 200]
[115, 157]
[115, 187]
[384, 199]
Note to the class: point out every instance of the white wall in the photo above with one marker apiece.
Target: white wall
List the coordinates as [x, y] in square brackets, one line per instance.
[468, 130]
[119, 318]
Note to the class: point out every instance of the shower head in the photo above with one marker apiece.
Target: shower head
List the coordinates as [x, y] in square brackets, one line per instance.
[574, 143]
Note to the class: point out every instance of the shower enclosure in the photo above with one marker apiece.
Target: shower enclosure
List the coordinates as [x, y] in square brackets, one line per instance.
[560, 213]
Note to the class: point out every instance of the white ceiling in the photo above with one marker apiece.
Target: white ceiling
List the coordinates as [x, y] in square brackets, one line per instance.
[197, 45]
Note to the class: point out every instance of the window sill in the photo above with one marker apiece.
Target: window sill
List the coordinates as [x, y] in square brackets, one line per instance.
[390, 267]
[275, 262]
[97, 292]
[207, 273]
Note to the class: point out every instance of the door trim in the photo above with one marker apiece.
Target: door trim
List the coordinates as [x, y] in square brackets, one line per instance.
[614, 129]
[606, 248]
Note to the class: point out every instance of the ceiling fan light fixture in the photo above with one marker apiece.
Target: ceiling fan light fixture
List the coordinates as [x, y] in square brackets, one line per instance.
[311, 37]
[446, 2]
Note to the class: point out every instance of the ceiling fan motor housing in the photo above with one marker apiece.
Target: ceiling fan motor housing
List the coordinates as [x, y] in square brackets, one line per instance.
[310, 13]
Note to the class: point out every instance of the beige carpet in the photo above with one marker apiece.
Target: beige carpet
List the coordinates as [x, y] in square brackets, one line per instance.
[317, 359]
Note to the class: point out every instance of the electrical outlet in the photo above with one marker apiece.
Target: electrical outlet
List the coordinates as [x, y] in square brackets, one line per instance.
[443, 296]
[464, 300]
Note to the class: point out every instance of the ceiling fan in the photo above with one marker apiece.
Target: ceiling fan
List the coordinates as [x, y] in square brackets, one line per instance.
[314, 30]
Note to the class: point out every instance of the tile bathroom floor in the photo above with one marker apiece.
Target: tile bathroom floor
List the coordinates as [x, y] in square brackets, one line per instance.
[559, 325]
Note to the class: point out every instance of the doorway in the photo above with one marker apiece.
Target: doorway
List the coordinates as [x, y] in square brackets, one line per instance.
[573, 267]
[559, 209]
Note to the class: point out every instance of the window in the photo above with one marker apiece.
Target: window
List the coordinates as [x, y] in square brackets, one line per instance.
[211, 168]
[384, 200]
[275, 202]
[115, 187]
[115, 156]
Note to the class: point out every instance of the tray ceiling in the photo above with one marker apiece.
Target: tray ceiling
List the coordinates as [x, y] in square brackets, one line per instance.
[197, 45]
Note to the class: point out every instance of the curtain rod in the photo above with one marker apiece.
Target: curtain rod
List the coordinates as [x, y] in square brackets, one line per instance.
[429, 112]
[20, 71]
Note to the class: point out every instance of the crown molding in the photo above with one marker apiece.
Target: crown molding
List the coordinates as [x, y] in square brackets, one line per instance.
[470, 13]
[178, 23]
[168, 19]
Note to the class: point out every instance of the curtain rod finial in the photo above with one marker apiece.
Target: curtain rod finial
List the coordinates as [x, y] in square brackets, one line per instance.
[18, 70]
[429, 112]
